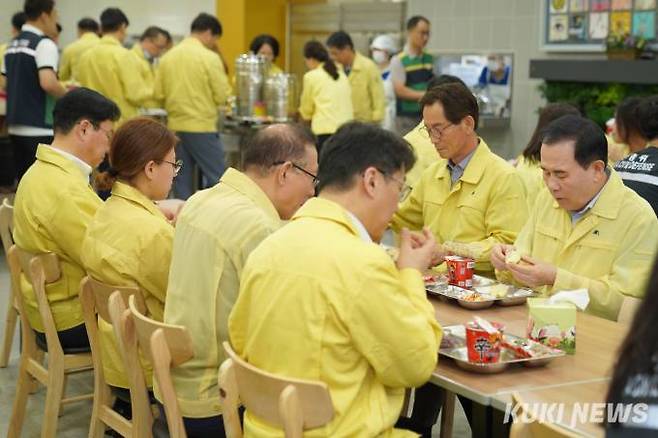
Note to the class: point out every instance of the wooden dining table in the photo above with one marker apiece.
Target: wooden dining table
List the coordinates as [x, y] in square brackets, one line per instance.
[597, 342]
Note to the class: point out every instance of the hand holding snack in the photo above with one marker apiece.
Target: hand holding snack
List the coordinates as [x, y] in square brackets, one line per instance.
[533, 273]
[499, 254]
[414, 253]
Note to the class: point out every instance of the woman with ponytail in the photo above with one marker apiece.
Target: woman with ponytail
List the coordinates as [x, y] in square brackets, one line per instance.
[326, 95]
[129, 240]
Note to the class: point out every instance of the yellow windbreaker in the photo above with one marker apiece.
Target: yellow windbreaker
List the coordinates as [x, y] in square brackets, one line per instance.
[191, 84]
[317, 302]
[610, 250]
[68, 65]
[54, 205]
[368, 98]
[114, 71]
[426, 154]
[487, 205]
[128, 243]
[215, 232]
[326, 102]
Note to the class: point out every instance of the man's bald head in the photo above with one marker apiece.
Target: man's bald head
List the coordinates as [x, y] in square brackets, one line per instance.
[276, 144]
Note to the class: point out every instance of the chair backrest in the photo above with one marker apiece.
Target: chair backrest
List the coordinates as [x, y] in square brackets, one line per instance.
[6, 225]
[173, 346]
[531, 427]
[628, 308]
[28, 341]
[293, 404]
[125, 333]
[40, 270]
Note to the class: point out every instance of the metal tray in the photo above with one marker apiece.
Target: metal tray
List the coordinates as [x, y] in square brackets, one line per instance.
[515, 296]
[478, 281]
[453, 346]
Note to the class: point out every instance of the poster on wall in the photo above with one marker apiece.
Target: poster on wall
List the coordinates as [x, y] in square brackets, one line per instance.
[620, 23]
[643, 5]
[578, 6]
[600, 5]
[598, 25]
[620, 5]
[577, 28]
[558, 6]
[644, 24]
[558, 30]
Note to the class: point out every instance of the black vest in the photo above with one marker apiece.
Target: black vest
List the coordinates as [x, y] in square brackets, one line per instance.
[27, 103]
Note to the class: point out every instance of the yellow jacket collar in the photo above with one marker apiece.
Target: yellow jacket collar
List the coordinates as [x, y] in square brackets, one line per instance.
[193, 41]
[139, 51]
[359, 62]
[476, 167]
[89, 36]
[611, 198]
[111, 40]
[48, 155]
[243, 184]
[322, 208]
[130, 193]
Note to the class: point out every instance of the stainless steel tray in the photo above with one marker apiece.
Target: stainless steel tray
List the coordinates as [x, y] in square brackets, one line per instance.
[515, 296]
[453, 345]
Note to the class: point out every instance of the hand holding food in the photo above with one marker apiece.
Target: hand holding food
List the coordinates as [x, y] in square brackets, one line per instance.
[513, 257]
[414, 256]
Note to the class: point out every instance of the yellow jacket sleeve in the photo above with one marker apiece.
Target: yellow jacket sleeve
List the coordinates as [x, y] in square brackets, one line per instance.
[158, 89]
[153, 269]
[64, 72]
[410, 211]
[136, 90]
[307, 105]
[399, 360]
[629, 275]
[523, 245]
[219, 84]
[376, 90]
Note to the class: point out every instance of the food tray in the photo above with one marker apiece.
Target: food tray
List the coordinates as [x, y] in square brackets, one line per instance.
[453, 345]
[478, 297]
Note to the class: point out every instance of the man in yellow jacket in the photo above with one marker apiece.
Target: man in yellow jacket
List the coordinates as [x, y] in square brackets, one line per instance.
[587, 230]
[87, 38]
[113, 70]
[368, 100]
[321, 300]
[215, 233]
[55, 203]
[152, 44]
[192, 84]
[471, 195]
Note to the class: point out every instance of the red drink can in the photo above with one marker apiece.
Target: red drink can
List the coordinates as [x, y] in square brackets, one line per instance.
[460, 271]
[481, 346]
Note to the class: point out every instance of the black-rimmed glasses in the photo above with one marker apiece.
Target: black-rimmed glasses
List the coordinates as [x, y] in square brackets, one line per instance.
[301, 169]
[177, 165]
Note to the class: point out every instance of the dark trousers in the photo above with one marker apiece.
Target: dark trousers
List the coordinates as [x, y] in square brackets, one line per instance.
[428, 400]
[209, 427]
[73, 338]
[25, 149]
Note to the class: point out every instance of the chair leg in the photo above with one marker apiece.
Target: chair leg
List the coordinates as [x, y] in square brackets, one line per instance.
[23, 385]
[56, 382]
[101, 397]
[10, 326]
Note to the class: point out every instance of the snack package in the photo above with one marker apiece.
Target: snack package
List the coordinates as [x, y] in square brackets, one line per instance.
[552, 323]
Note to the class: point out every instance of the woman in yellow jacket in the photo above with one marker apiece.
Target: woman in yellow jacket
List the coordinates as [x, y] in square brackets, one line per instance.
[326, 95]
[129, 241]
[527, 164]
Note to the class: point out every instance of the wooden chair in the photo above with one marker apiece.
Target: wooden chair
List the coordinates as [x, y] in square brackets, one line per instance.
[534, 428]
[166, 346]
[95, 297]
[40, 270]
[628, 308]
[292, 404]
[6, 228]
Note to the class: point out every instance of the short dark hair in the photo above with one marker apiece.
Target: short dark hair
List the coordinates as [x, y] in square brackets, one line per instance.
[413, 21]
[34, 8]
[152, 32]
[83, 103]
[550, 112]
[167, 35]
[647, 114]
[340, 40]
[88, 24]
[277, 143]
[18, 20]
[589, 140]
[204, 22]
[457, 101]
[315, 50]
[263, 39]
[444, 79]
[626, 118]
[357, 146]
[112, 19]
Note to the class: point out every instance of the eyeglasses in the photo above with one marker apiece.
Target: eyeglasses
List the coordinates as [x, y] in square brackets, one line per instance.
[434, 131]
[301, 169]
[405, 189]
[177, 165]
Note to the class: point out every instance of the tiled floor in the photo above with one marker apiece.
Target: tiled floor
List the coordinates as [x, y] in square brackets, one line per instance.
[74, 420]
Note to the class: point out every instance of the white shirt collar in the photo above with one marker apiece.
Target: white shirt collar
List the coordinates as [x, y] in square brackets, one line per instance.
[33, 29]
[84, 167]
[360, 228]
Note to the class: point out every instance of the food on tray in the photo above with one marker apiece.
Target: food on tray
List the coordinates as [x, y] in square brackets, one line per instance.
[430, 279]
[475, 297]
[513, 257]
[525, 348]
[496, 290]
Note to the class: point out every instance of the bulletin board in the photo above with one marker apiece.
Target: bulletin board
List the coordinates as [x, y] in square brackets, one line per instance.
[584, 25]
